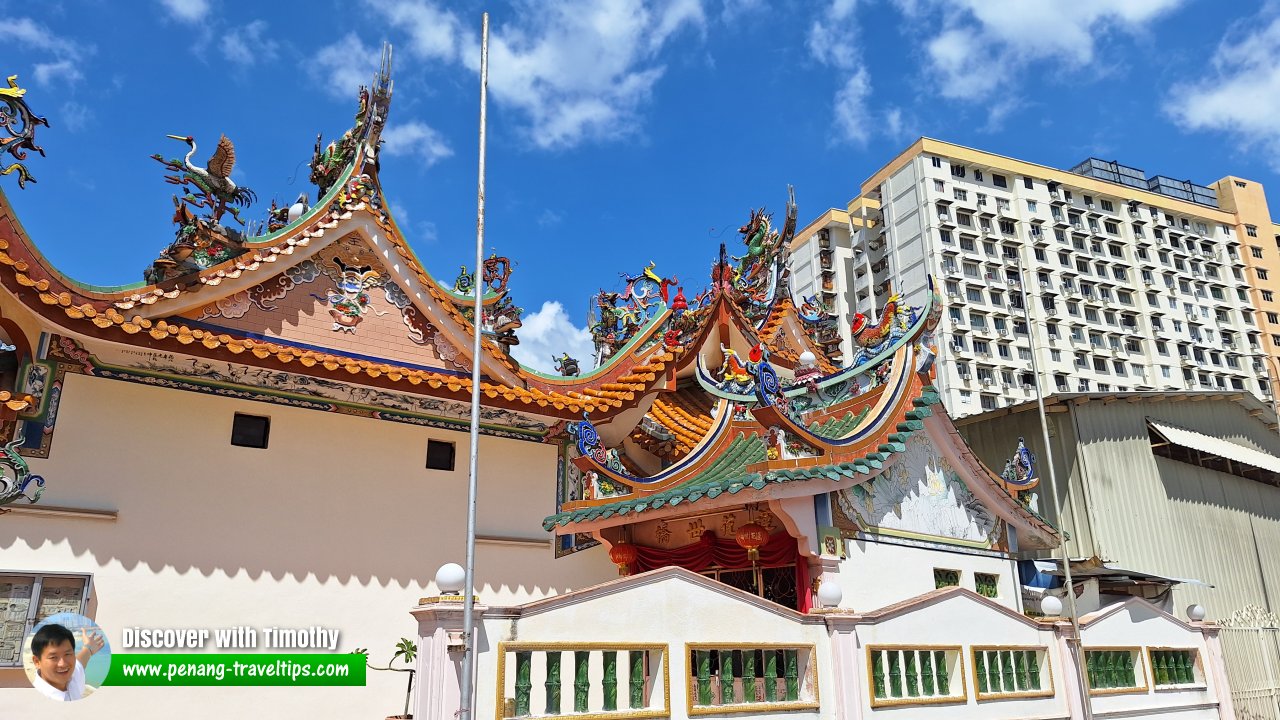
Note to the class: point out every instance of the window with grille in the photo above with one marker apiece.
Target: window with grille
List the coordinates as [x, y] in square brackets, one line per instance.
[987, 585]
[909, 675]
[1008, 671]
[1114, 670]
[1173, 667]
[945, 578]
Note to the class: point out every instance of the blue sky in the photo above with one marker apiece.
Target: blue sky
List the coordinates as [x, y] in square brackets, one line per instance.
[620, 131]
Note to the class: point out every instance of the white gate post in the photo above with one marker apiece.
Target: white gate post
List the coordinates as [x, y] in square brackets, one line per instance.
[440, 656]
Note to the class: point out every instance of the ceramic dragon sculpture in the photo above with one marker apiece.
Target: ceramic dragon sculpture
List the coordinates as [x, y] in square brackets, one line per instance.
[16, 477]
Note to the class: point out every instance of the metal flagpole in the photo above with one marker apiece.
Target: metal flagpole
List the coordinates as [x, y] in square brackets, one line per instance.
[1057, 505]
[467, 701]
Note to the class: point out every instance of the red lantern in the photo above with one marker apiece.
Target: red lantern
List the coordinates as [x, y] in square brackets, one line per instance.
[751, 537]
[623, 554]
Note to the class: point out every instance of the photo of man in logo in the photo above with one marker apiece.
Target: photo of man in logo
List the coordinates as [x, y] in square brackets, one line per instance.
[60, 657]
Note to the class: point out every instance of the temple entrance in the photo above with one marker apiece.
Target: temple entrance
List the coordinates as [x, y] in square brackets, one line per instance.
[775, 584]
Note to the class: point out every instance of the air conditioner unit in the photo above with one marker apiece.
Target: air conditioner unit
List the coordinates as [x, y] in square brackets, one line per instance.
[957, 348]
[1026, 387]
[1077, 226]
[1002, 332]
[984, 355]
[1044, 285]
[986, 382]
[965, 374]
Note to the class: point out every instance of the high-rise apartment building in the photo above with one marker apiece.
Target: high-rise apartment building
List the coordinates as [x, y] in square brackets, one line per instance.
[1131, 282]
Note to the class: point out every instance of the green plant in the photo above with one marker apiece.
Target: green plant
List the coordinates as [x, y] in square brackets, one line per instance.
[406, 650]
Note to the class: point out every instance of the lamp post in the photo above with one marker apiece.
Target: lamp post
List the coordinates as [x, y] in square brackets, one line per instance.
[1077, 650]
[467, 701]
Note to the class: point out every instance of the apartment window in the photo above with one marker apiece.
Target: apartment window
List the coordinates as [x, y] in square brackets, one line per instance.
[1100, 365]
[1226, 230]
[1066, 195]
[981, 200]
[1271, 318]
[1003, 351]
[440, 455]
[1111, 227]
[1060, 382]
[250, 431]
[1240, 184]
[981, 347]
[988, 402]
[1031, 205]
[1118, 366]
[1039, 252]
[965, 219]
[1120, 273]
[999, 181]
[945, 236]
[962, 195]
[973, 294]
[957, 171]
[30, 598]
[937, 161]
[1256, 251]
[1028, 183]
[1114, 670]
[1006, 227]
[1262, 274]
[1106, 205]
[1161, 346]
[1251, 230]
[1088, 201]
[1267, 295]
[939, 186]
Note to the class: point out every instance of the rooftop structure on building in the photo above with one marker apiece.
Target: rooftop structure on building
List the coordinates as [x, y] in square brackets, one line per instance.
[1117, 281]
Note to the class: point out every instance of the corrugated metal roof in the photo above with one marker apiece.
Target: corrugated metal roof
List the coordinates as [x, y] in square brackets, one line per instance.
[1216, 446]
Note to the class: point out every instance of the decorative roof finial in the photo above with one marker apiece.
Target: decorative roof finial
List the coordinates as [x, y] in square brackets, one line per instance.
[20, 123]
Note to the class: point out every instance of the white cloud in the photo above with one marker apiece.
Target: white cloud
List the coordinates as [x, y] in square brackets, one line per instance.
[187, 11]
[983, 48]
[417, 139]
[576, 72]
[549, 218]
[832, 41]
[342, 67]
[74, 116]
[67, 54]
[249, 44]
[546, 334]
[735, 9]
[853, 119]
[1242, 95]
[47, 73]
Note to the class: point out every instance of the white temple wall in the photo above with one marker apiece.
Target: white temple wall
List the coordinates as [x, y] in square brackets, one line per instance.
[337, 524]
[877, 574]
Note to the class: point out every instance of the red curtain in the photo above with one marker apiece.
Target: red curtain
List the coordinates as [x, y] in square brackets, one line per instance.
[711, 551]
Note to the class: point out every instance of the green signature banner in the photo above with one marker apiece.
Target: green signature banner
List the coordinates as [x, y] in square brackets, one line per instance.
[174, 669]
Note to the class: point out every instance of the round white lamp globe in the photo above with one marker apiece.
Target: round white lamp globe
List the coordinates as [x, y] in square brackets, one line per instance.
[830, 594]
[1051, 606]
[450, 578]
[1195, 613]
[808, 359]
